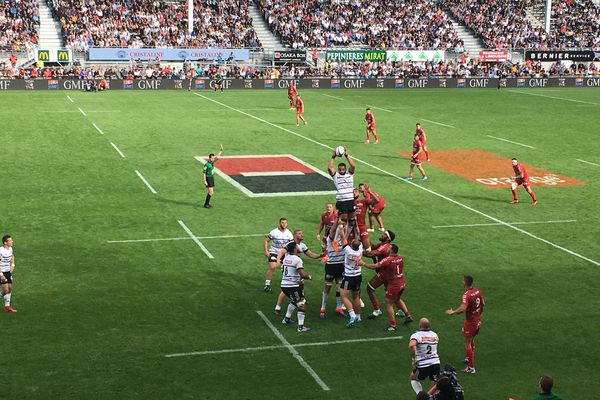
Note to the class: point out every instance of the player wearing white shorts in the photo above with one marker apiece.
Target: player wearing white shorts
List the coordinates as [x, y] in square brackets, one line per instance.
[423, 350]
[275, 241]
[7, 266]
[291, 285]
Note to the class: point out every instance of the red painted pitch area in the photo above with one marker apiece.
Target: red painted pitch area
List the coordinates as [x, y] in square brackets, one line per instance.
[491, 170]
[237, 165]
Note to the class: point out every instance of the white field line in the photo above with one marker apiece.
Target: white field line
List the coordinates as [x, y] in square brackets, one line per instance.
[81, 111]
[138, 173]
[587, 162]
[187, 238]
[510, 141]
[294, 352]
[73, 111]
[117, 149]
[554, 97]
[70, 99]
[195, 239]
[333, 97]
[262, 348]
[438, 123]
[466, 207]
[98, 129]
[379, 108]
[512, 223]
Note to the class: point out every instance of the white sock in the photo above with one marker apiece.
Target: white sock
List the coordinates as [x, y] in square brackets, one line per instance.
[290, 310]
[352, 314]
[358, 316]
[416, 385]
[324, 300]
[7, 299]
[362, 303]
[277, 307]
[301, 318]
[267, 282]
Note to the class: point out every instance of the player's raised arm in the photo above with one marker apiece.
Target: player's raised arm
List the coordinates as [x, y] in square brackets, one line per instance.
[330, 164]
[370, 266]
[280, 255]
[333, 229]
[220, 151]
[350, 161]
[342, 233]
[320, 228]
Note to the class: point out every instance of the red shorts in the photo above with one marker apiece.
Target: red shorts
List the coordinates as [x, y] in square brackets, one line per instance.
[470, 329]
[424, 142]
[378, 207]
[376, 281]
[416, 159]
[524, 182]
[394, 291]
[291, 96]
[371, 127]
[299, 111]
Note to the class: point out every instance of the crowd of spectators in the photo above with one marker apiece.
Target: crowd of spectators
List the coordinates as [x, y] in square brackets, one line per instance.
[154, 23]
[503, 23]
[366, 70]
[18, 23]
[399, 24]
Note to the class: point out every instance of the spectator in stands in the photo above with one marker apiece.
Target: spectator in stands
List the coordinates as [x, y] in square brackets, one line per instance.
[545, 389]
[18, 23]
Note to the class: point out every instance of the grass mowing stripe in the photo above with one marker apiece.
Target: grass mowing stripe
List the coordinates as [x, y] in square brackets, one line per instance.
[195, 239]
[466, 207]
[554, 97]
[117, 149]
[510, 141]
[139, 174]
[497, 224]
[587, 162]
[294, 352]
[261, 348]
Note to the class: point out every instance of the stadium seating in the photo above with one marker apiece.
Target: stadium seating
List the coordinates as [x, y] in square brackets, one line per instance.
[141, 23]
[576, 23]
[18, 23]
[400, 24]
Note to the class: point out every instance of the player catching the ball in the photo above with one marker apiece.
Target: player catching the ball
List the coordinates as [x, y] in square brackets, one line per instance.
[371, 127]
[292, 92]
[521, 178]
[299, 111]
[343, 179]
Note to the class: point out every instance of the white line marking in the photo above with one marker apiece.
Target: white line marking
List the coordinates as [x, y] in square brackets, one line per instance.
[145, 181]
[512, 223]
[379, 108]
[274, 173]
[333, 97]
[195, 239]
[438, 123]
[554, 97]
[587, 162]
[187, 238]
[70, 99]
[294, 352]
[510, 141]
[117, 149]
[73, 111]
[261, 348]
[98, 129]
[524, 232]
[81, 111]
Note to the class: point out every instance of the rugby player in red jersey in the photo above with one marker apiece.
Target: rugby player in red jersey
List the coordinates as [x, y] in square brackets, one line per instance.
[380, 251]
[423, 139]
[376, 209]
[521, 178]
[371, 127]
[327, 219]
[416, 159]
[299, 111]
[292, 95]
[391, 269]
[472, 305]
[361, 208]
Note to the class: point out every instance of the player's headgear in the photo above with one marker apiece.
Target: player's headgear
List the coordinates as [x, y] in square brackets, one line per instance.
[391, 235]
[395, 249]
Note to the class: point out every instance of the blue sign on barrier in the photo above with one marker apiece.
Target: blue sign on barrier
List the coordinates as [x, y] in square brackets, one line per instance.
[163, 54]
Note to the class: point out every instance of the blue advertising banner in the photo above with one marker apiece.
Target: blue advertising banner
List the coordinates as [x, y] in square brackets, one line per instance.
[123, 54]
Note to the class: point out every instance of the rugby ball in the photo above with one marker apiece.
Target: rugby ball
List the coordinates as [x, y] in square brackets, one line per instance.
[340, 150]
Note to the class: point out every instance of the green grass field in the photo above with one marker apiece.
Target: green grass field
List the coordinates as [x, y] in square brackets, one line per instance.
[96, 319]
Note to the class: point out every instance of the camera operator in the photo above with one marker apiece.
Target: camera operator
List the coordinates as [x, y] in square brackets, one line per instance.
[446, 387]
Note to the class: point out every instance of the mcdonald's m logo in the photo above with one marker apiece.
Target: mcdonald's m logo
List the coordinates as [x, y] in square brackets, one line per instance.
[62, 55]
[43, 55]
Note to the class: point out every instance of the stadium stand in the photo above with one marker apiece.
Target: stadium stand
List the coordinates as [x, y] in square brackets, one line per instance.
[502, 24]
[399, 24]
[145, 23]
[18, 23]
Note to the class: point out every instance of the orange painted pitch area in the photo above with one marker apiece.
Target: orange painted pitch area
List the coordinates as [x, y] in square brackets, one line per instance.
[491, 170]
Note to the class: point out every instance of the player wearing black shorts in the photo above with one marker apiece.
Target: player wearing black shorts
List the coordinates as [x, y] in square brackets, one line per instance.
[219, 82]
[334, 271]
[209, 179]
[343, 179]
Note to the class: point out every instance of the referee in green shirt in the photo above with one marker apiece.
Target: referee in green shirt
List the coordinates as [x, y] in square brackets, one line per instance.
[209, 179]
